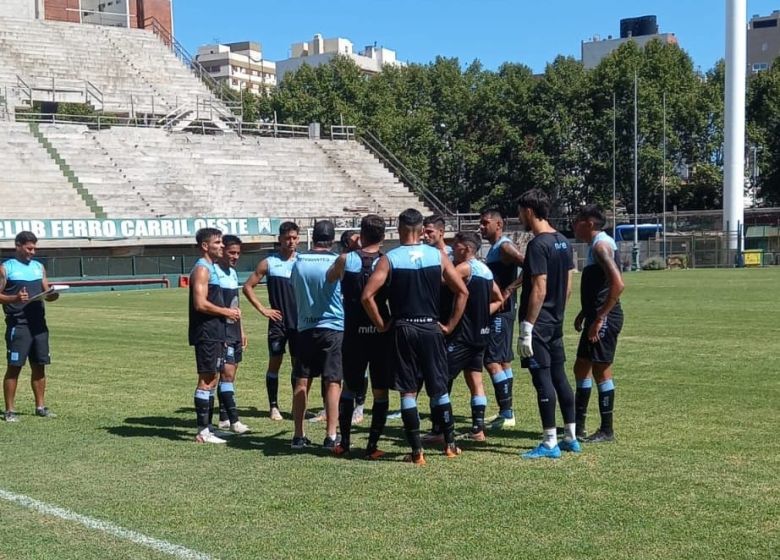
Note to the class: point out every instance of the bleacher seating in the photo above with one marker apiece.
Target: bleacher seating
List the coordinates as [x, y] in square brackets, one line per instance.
[31, 184]
[132, 68]
[137, 172]
[152, 172]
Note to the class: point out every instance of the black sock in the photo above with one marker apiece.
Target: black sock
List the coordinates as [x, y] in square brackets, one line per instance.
[545, 395]
[606, 404]
[478, 406]
[360, 395]
[581, 400]
[211, 406]
[202, 409]
[503, 395]
[435, 421]
[446, 421]
[346, 408]
[378, 420]
[223, 415]
[411, 419]
[272, 386]
[227, 400]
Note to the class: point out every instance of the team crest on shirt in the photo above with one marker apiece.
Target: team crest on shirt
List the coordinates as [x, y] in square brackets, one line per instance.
[415, 256]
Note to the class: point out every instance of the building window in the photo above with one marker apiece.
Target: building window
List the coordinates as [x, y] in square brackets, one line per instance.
[760, 67]
[764, 23]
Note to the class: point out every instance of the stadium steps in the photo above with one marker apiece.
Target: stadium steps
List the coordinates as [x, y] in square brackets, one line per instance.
[67, 172]
[31, 184]
[132, 68]
[367, 172]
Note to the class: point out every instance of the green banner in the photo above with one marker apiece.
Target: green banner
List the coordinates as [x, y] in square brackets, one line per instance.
[136, 228]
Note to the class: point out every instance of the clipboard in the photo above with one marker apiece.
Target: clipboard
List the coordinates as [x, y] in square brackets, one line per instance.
[52, 289]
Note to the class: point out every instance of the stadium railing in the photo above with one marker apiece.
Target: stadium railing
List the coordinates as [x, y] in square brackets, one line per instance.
[376, 147]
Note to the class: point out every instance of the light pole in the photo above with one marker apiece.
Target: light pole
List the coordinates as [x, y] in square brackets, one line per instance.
[614, 165]
[635, 247]
[663, 182]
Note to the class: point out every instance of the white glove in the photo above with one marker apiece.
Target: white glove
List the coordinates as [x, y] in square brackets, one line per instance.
[524, 345]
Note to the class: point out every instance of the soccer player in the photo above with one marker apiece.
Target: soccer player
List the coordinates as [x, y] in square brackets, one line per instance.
[26, 335]
[208, 316]
[413, 275]
[364, 346]
[235, 338]
[350, 241]
[320, 333]
[546, 288]
[433, 234]
[282, 314]
[600, 321]
[503, 260]
[466, 345]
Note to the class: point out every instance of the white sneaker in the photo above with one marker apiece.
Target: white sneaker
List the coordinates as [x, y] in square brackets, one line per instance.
[207, 437]
[275, 414]
[239, 428]
[224, 425]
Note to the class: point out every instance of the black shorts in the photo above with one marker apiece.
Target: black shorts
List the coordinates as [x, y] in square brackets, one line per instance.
[419, 355]
[603, 351]
[499, 348]
[234, 353]
[22, 344]
[464, 357]
[319, 355]
[548, 348]
[279, 337]
[361, 351]
[209, 356]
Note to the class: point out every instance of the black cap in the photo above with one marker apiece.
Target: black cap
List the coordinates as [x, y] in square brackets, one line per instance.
[324, 231]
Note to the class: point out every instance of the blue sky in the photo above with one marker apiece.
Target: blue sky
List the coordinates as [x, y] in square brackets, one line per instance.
[494, 31]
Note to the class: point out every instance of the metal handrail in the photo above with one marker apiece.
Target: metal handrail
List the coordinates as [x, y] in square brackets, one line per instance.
[24, 88]
[98, 121]
[275, 130]
[342, 132]
[387, 157]
[191, 62]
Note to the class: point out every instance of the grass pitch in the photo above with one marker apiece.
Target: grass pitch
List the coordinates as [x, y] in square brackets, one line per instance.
[694, 473]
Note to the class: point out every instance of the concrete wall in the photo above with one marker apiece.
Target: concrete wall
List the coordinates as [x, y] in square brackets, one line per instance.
[140, 10]
[763, 43]
[24, 9]
[594, 51]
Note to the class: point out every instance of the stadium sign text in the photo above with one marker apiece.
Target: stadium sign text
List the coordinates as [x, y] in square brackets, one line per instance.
[135, 228]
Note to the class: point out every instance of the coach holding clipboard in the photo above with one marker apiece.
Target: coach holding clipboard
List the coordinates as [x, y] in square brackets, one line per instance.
[22, 281]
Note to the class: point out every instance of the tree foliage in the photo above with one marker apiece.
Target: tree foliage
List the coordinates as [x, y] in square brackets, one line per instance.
[479, 138]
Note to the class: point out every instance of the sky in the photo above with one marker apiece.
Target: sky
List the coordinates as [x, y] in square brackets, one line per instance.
[532, 32]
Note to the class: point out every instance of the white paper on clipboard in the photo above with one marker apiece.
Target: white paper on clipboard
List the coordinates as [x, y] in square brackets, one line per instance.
[51, 290]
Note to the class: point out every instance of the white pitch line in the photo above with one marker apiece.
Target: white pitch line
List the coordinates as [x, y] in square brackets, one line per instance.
[104, 526]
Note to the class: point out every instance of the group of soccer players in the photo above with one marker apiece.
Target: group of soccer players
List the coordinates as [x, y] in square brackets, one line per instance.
[414, 318]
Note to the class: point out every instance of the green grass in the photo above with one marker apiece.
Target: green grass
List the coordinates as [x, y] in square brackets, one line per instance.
[693, 475]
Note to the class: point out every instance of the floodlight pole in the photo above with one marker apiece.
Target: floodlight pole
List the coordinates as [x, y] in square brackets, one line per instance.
[663, 181]
[734, 117]
[635, 247]
[614, 165]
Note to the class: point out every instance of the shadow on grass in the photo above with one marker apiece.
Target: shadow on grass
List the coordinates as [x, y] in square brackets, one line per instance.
[150, 432]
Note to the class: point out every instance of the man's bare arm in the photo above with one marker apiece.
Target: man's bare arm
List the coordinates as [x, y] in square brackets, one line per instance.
[371, 289]
[536, 299]
[605, 257]
[199, 279]
[455, 283]
[336, 270]
[249, 292]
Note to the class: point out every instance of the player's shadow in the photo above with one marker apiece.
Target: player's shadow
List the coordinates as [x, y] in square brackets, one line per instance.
[155, 427]
[150, 432]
